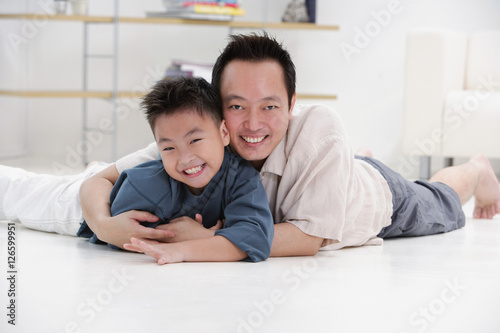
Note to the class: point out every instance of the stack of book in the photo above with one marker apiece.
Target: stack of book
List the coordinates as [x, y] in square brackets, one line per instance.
[188, 68]
[200, 10]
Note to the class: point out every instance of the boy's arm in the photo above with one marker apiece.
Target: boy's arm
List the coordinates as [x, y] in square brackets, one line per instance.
[215, 248]
[117, 230]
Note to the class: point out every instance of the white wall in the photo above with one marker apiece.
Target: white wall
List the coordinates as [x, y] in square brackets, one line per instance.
[369, 83]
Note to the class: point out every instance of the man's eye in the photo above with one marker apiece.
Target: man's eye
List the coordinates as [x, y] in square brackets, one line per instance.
[270, 107]
[236, 107]
[168, 149]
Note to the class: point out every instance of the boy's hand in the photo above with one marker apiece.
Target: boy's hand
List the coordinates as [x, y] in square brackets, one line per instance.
[163, 253]
[119, 229]
[185, 228]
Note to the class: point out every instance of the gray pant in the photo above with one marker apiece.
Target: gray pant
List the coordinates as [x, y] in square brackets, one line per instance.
[420, 208]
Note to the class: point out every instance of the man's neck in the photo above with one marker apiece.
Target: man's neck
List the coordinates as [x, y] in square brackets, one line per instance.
[258, 164]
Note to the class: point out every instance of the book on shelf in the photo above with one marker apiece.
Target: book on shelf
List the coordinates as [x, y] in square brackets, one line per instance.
[201, 10]
[187, 3]
[189, 68]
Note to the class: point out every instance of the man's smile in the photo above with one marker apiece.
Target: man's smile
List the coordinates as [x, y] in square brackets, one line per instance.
[253, 139]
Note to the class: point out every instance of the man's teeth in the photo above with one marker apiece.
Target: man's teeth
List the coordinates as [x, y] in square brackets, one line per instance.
[253, 140]
[194, 170]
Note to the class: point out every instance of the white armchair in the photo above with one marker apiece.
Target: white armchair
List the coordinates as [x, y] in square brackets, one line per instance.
[452, 95]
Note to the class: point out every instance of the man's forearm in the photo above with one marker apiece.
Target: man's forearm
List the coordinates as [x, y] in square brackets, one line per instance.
[94, 196]
[291, 241]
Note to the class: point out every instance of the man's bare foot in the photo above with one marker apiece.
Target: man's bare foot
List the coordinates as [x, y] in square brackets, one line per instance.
[487, 193]
[363, 151]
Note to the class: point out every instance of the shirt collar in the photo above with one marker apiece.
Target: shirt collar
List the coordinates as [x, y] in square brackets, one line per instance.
[276, 161]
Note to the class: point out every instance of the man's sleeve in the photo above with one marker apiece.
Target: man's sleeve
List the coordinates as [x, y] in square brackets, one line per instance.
[317, 201]
[249, 223]
[150, 153]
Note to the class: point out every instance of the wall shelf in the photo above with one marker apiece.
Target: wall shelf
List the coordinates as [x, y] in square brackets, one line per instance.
[109, 94]
[116, 21]
[161, 20]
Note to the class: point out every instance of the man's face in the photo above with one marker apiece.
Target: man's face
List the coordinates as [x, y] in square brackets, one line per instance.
[255, 105]
[191, 147]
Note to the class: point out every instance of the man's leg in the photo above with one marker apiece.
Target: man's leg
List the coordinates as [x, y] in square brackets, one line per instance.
[474, 178]
[42, 202]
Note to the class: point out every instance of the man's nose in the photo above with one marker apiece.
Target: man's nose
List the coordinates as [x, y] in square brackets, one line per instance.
[253, 121]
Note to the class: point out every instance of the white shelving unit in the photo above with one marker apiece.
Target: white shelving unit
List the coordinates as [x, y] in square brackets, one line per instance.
[114, 94]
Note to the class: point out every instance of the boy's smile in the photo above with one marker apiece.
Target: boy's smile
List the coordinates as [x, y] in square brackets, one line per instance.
[191, 147]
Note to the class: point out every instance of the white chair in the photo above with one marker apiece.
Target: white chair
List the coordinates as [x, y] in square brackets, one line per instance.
[452, 96]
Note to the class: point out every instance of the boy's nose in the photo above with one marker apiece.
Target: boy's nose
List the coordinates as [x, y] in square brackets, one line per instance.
[186, 157]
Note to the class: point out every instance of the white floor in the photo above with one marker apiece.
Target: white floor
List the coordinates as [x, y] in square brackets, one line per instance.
[442, 283]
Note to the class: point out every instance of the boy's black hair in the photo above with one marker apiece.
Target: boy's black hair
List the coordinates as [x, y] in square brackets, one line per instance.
[256, 48]
[181, 94]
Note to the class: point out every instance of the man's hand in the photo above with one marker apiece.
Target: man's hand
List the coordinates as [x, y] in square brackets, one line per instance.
[119, 229]
[185, 228]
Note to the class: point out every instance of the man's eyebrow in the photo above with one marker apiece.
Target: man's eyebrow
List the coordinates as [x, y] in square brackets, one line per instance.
[272, 98]
[232, 97]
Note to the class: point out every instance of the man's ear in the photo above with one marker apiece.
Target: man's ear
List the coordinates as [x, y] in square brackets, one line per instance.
[292, 104]
[224, 133]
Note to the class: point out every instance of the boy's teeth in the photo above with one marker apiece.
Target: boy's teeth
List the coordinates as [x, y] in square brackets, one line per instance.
[193, 170]
[253, 140]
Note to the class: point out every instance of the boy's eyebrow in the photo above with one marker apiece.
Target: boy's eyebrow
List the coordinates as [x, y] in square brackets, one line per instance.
[189, 133]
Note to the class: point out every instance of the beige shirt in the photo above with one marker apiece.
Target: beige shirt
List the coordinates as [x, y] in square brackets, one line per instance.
[313, 181]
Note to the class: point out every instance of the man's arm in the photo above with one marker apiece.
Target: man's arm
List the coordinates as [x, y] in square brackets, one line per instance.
[216, 248]
[117, 230]
[291, 241]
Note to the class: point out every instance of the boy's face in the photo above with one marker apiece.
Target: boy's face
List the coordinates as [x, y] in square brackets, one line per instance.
[191, 147]
[255, 105]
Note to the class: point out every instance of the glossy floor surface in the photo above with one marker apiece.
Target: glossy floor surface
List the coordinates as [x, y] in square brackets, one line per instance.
[442, 283]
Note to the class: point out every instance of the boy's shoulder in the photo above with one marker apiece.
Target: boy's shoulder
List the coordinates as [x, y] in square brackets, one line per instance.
[150, 176]
[146, 169]
[238, 164]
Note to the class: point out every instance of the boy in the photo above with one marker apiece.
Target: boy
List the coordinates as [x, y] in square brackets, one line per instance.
[196, 175]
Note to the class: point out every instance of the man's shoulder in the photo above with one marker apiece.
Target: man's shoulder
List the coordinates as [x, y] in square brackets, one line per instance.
[314, 115]
[314, 123]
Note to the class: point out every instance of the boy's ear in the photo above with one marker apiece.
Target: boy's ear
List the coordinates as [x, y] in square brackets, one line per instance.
[224, 133]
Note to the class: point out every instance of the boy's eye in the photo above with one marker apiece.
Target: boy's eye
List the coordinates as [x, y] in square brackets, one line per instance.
[168, 149]
[195, 140]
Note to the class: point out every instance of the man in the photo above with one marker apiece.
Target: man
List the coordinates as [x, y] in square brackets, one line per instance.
[320, 194]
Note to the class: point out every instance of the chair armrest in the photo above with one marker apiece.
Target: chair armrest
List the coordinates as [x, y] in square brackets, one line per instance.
[435, 64]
